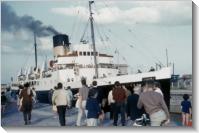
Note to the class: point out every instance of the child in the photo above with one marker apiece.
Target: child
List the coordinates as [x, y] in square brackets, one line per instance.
[186, 110]
[93, 108]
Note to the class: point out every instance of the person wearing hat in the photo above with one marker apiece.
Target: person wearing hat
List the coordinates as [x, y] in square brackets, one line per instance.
[93, 108]
[132, 111]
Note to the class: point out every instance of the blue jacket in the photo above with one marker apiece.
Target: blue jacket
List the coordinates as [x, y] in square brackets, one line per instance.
[93, 108]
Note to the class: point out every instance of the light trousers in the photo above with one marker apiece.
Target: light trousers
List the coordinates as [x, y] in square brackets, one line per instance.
[92, 122]
[157, 118]
[81, 112]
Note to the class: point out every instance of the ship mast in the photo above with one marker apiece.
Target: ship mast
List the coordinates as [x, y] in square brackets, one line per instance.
[35, 44]
[93, 39]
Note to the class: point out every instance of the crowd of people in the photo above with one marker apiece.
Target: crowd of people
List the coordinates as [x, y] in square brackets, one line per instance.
[126, 104]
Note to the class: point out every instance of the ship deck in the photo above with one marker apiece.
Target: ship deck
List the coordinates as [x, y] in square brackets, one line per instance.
[43, 116]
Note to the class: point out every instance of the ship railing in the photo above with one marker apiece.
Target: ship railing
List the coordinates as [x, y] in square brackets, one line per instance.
[99, 66]
[61, 67]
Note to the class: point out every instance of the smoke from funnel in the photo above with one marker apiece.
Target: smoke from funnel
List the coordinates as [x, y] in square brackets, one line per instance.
[10, 22]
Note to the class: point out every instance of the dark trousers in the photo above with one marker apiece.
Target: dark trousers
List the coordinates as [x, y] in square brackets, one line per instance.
[61, 110]
[119, 108]
[112, 106]
[27, 116]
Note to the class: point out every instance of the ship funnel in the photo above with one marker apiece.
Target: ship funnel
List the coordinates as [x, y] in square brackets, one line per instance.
[60, 45]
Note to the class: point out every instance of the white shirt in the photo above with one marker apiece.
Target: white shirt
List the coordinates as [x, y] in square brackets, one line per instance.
[110, 97]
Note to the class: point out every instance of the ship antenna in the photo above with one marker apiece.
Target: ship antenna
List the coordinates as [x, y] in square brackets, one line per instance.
[93, 38]
[35, 44]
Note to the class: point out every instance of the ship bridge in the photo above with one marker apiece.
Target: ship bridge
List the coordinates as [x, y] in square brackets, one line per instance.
[83, 55]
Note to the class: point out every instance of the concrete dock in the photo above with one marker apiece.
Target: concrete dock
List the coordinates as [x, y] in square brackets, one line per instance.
[43, 116]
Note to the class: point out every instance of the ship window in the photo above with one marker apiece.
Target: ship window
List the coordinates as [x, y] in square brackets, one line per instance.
[84, 53]
[88, 53]
[68, 80]
[72, 79]
[80, 53]
[92, 53]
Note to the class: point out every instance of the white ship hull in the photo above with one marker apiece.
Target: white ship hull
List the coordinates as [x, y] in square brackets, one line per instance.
[45, 84]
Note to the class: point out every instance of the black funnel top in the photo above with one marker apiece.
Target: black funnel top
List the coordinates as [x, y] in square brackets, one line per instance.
[60, 40]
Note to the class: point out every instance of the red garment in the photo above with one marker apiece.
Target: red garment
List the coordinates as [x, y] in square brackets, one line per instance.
[27, 100]
[119, 94]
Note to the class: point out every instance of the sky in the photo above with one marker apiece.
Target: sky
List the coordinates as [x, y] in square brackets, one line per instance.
[140, 31]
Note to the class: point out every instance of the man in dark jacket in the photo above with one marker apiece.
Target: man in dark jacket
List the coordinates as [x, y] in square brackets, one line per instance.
[119, 95]
[132, 101]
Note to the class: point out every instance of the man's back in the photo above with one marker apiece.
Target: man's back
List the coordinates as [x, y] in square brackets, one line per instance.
[84, 92]
[27, 97]
[132, 109]
[119, 94]
[59, 97]
[152, 102]
[133, 99]
[93, 108]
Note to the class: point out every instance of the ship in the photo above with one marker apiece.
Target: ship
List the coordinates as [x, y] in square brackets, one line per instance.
[73, 62]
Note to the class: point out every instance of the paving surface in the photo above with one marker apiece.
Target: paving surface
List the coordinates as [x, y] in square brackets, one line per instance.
[43, 116]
